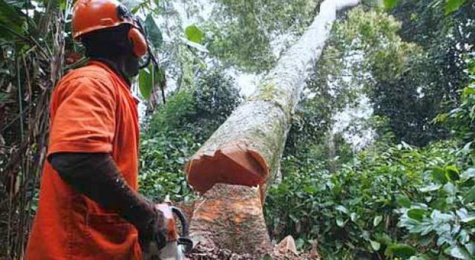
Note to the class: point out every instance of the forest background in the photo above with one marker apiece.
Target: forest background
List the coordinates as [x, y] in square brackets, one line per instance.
[379, 161]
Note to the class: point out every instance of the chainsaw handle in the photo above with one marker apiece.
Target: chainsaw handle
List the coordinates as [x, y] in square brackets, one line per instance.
[181, 217]
[183, 239]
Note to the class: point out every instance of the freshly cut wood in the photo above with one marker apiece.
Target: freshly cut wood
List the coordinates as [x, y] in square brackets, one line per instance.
[226, 162]
[287, 245]
[247, 148]
[236, 212]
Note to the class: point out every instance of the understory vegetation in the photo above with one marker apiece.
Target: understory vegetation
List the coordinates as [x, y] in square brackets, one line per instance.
[409, 193]
[379, 162]
[388, 200]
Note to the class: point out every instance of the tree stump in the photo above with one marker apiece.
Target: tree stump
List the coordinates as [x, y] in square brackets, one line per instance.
[231, 217]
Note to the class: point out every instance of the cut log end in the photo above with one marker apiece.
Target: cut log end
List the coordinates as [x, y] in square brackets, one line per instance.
[231, 217]
[230, 165]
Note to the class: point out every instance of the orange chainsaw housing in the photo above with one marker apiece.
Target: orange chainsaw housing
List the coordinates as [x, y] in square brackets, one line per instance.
[170, 222]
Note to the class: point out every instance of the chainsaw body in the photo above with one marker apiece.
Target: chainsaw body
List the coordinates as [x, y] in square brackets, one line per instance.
[178, 243]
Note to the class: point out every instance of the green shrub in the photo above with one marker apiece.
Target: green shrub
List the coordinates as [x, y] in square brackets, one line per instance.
[161, 163]
[354, 212]
[442, 217]
[178, 129]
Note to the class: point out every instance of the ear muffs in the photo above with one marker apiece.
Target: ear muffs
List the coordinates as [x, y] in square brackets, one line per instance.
[138, 41]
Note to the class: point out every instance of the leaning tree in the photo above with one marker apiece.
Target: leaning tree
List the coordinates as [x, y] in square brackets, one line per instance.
[233, 168]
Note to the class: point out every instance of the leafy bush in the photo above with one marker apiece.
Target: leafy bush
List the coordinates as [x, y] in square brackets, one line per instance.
[390, 201]
[215, 98]
[164, 149]
[199, 111]
[353, 213]
[161, 163]
[178, 129]
[461, 119]
[174, 115]
[442, 218]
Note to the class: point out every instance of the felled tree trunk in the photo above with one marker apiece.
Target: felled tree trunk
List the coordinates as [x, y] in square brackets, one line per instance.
[247, 148]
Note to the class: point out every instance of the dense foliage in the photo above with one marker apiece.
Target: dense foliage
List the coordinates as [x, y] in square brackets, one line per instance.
[407, 193]
[392, 199]
[259, 23]
[353, 211]
[178, 129]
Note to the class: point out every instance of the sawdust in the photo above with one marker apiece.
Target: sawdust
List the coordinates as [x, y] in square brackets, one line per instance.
[203, 252]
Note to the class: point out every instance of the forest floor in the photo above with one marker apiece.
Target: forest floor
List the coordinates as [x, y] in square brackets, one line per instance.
[285, 250]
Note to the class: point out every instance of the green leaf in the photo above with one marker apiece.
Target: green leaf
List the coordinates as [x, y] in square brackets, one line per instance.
[342, 209]
[452, 173]
[403, 201]
[377, 220]
[195, 45]
[194, 34]
[294, 218]
[470, 248]
[468, 91]
[469, 196]
[416, 214]
[465, 216]
[400, 250]
[340, 222]
[10, 18]
[375, 245]
[419, 257]
[469, 173]
[310, 189]
[439, 176]
[450, 188]
[145, 83]
[453, 5]
[299, 243]
[153, 32]
[4, 98]
[430, 188]
[459, 253]
[464, 237]
[390, 4]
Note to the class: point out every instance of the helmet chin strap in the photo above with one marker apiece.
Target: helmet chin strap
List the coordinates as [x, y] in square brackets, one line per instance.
[150, 55]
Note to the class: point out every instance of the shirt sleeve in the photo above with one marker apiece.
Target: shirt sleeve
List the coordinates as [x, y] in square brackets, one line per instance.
[83, 116]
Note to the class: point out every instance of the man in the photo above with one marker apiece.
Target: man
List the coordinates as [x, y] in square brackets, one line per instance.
[89, 207]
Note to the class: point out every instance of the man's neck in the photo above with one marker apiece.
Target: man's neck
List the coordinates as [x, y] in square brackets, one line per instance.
[113, 65]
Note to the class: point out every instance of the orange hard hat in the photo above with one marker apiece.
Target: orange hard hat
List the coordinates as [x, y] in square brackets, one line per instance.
[92, 15]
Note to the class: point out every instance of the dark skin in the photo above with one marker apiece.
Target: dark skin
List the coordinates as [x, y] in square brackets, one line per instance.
[114, 48]
[127, 64]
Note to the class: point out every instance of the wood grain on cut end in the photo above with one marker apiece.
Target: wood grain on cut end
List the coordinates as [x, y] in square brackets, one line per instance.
[231, 217]
[233, 164]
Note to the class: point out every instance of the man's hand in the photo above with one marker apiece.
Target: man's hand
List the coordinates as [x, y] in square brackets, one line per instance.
[157, 233]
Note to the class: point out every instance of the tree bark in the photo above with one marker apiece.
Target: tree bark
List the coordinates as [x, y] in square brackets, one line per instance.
[247, 148]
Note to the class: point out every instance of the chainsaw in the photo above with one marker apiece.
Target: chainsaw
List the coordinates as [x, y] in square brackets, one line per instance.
[177, 244]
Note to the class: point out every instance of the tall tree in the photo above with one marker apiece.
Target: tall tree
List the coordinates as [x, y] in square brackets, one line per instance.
[431, 82]
[244, 33]
[247, 148]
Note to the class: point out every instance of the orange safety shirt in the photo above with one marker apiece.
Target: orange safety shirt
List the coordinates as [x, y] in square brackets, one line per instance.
[92, 110]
